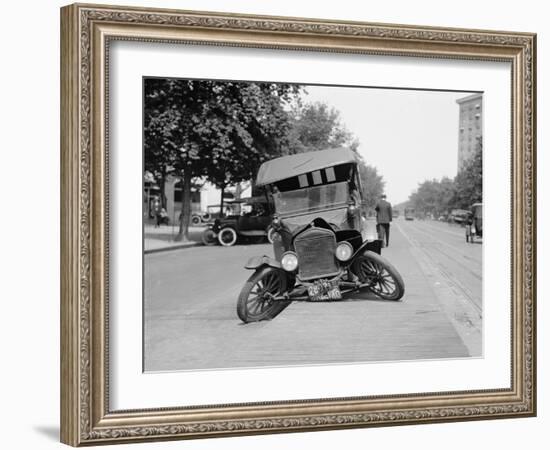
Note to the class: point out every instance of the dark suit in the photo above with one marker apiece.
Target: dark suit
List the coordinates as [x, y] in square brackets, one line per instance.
[383, 218]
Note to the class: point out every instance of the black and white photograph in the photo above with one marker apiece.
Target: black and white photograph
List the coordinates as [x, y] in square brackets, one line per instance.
[288, 224]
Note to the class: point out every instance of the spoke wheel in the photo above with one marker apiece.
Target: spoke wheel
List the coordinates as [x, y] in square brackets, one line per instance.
[227, 237]
[209, 237]
[382, 278]
[256, 298]
[195, 220]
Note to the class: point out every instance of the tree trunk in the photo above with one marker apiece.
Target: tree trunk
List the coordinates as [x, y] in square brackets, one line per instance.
[162, 187]
[185, 216]
[221, 202]
[238, 193]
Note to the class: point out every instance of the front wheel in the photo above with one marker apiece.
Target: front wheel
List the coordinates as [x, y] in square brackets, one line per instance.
[256, 301]
[380, 276]
[227, 237]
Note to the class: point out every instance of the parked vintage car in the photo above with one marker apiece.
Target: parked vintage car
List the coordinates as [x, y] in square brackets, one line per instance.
[212, 213]
[253, 224]
[459, 216]
[321, 247]
[474, 223]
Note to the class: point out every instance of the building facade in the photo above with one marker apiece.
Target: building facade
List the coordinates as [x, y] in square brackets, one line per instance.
[201, 197]
[470, 127]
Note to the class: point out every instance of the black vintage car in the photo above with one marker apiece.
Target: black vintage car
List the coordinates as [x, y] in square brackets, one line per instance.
[212, 213]
[321, 247]
[253, 224]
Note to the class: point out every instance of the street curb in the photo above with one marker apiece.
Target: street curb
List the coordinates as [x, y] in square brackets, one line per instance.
[172, 247]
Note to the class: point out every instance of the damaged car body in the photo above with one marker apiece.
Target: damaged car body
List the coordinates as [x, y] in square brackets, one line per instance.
[321, 245]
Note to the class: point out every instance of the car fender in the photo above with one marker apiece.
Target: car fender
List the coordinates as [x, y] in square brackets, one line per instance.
[373, 246]
[258, 261]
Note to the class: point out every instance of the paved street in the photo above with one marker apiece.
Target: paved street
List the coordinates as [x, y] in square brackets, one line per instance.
[191, 295]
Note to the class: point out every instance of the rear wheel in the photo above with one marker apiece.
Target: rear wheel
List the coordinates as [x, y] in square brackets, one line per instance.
[208, 237]
[227, 237]
[256, 301]
[195, 220]
[380, 276]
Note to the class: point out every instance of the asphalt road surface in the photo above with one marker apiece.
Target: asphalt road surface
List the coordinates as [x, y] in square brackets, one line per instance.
[190, 319]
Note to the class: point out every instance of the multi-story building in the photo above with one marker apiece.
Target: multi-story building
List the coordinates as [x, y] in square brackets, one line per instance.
[470, 127]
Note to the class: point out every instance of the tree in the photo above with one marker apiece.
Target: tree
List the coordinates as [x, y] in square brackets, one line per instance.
[469, 181]
[215, 129]
[249, 125]
[433, 196]
[317, 126]
[372, 184]
[441, 196]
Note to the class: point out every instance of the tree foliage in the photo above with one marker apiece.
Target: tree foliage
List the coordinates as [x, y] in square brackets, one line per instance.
[317, 126]
[439, 197]
[222, 131]
[215, 129]
[469, 181]
[372, 184]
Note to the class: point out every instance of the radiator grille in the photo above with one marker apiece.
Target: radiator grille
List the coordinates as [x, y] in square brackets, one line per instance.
[316, 250]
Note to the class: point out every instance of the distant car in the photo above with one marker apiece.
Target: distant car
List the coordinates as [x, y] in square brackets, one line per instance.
[212, 213]
[253, 224]
[409, 213]
[459, 216]
[395, 213]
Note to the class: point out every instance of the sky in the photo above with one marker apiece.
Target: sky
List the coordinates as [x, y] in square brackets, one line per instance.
[408, 135]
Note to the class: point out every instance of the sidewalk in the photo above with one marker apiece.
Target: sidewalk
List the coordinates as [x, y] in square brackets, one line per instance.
[162, 238]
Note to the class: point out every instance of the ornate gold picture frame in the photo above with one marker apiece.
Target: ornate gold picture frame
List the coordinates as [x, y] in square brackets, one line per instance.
[86, 34]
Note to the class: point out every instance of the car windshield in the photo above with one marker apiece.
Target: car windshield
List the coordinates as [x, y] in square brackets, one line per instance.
[312, 199]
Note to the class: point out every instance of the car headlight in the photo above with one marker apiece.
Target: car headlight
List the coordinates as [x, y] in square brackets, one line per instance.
[344, 251]
[289, 261]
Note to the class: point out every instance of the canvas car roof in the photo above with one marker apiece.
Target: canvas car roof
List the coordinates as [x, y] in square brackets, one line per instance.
[293, 165]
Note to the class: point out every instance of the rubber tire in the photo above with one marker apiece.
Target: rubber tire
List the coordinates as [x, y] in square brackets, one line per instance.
[233, 240]
[209, 237]
[196, 220]
[273, 310]
[377, 259]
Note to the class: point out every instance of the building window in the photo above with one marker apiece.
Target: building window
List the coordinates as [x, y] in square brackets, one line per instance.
[317, 177]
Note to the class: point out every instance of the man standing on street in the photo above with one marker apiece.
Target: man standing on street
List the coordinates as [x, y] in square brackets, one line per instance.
[383, 219]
